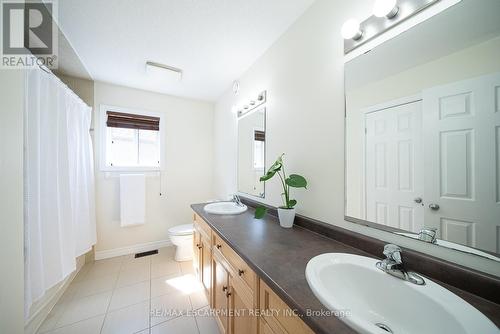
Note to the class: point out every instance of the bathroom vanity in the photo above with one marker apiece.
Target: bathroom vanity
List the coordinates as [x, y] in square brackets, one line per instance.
[256, 266]
[242, 301]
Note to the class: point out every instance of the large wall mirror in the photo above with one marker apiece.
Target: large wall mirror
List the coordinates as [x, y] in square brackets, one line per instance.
[423, 131]
[252, 152]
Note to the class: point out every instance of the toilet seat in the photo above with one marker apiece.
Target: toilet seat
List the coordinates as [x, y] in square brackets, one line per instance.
[184, 229]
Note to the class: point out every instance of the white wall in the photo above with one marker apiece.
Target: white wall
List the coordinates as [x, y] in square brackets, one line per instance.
[303, 75]
[11, 201]
[187, 177]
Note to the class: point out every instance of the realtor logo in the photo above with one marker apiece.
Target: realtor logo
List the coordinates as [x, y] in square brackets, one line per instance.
[29, 34]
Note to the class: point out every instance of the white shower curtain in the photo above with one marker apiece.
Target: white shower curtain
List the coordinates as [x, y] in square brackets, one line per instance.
[59, 222]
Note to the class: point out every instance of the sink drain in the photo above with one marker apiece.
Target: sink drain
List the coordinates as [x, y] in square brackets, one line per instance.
[384, 327]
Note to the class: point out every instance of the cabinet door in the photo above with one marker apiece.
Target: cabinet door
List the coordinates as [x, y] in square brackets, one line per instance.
[278, 316]
[242, 319]
[264, 328]
[206, 264]
[219, 293]
[196, 253]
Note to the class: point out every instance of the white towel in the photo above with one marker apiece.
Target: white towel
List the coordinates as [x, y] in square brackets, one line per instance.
[132, 199]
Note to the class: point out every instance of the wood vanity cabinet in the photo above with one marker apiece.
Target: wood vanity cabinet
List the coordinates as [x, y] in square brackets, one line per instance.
[243, 303]
[278, 316]
[202, 254]
[236, 313]
[220, 289]
[243, 318]
[196, 252]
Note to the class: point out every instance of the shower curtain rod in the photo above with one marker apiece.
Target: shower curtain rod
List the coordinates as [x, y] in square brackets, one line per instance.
[44, 68]
[48, 71]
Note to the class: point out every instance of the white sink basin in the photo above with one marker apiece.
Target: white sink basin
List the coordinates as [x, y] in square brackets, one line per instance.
[225, 208]
[352, 283]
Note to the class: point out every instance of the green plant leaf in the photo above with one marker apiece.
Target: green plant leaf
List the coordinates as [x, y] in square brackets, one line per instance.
[292, 203]
[277, 164]
[266, 177]
[260, 212]
[296, 181]
[276, 167]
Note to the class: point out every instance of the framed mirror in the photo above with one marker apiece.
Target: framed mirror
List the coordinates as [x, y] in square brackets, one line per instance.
[423, 131]
[252, 152]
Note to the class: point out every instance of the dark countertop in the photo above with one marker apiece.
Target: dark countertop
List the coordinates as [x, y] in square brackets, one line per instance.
[279, 256]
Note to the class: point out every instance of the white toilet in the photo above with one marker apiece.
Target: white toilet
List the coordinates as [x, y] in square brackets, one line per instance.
[182, 237]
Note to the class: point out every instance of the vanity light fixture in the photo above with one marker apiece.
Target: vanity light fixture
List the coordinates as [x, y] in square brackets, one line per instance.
[386, 15]
[387, 8]
[351, 30]
[252, 104]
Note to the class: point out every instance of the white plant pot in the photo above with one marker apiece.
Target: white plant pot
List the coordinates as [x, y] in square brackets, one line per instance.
[287, 216]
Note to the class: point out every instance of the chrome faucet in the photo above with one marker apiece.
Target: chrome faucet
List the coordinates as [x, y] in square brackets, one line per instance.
[236, 199]
[393, 265]
[428, 235]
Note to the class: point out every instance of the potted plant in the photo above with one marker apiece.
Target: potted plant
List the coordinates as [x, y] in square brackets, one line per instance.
[286, 212]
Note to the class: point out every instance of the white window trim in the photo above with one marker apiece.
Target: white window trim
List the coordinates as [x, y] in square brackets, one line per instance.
[103, 133]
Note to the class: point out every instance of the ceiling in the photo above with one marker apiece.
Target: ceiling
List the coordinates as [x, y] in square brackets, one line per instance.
[212, 41]
[437, 37]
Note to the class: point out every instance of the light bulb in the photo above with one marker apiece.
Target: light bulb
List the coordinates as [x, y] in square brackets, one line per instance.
[351, 29]
[387, 8]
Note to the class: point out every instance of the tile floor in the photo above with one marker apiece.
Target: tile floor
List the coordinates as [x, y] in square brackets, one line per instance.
[122, 295]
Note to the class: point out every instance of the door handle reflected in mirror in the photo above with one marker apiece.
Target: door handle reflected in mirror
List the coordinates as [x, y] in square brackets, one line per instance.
[434, 206]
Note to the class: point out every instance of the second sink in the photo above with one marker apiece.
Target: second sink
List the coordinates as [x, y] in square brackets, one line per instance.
[376, 302]
[225, 208]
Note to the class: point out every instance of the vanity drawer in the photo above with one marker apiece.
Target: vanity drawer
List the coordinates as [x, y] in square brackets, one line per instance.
[243, 271]
[279, 317]
[201, 225]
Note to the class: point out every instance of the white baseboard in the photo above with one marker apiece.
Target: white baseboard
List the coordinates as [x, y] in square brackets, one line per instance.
[137, 248]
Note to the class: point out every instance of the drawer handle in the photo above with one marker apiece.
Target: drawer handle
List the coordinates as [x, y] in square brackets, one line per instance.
[228, 294]
[240, 272]
[199, 246]
[224, 288]
[218, 246]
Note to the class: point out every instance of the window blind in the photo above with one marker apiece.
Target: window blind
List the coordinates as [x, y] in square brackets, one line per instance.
[132, 121]
[259, 135]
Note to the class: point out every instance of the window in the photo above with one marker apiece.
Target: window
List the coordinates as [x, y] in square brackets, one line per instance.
[259, 149]
[131, 140]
